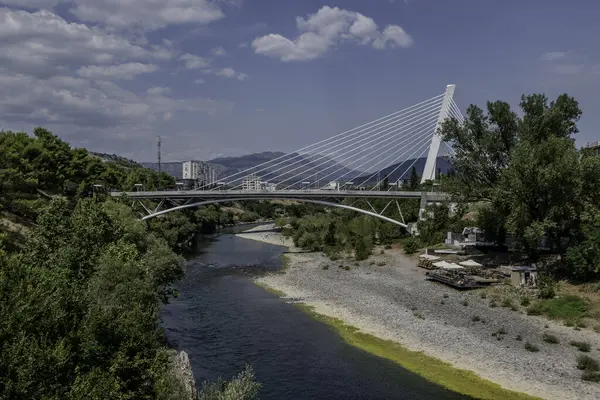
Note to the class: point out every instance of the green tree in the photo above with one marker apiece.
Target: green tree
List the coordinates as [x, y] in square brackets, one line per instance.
[483, 144]
[414, 179]
[385, 185]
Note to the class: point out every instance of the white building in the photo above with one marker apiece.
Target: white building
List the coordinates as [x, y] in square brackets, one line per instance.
[251, 182]
[202, 173]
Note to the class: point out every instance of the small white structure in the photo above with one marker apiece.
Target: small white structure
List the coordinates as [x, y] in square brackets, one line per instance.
[470, 263]
[333, 185]
[270, 187]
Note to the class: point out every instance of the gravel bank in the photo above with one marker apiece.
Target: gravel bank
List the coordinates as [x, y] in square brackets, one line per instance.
[395, 302]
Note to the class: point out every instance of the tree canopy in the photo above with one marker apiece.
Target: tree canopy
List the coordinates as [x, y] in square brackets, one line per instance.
[529, 178]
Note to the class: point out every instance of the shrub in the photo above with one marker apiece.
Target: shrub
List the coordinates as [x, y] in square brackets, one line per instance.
[525, 302]
[547, 287]
[585, 362]
[590, 376]
[549, 338]
[581, 346]
[531, 347]
[507, 303]
[493, 304]
[361, 250]
[411, 245]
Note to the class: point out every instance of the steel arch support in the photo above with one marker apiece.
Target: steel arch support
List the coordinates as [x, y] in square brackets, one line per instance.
[324, 203]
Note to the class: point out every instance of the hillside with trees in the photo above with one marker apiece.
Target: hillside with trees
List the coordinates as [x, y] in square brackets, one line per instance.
[82, 278]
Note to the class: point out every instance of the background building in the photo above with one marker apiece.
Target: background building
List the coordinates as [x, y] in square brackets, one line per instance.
[251, 182]
[202, 173]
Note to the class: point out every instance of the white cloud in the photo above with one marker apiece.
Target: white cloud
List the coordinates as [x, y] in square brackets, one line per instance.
[228, 73]
[194, 62]
[199, 81]
[44, 44]
[146, 15]
[570, 66]
[219, 51]
[324, 30]
[553, 55]
[121, 71]
[158, 90]
[59, 73]
[31, 4]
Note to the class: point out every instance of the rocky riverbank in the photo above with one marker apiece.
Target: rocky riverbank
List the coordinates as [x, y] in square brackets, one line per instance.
[388, 297]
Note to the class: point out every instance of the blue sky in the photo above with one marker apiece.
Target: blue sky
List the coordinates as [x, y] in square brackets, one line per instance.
[230, 77]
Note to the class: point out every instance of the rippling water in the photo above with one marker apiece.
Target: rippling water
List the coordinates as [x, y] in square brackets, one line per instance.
[222, 320]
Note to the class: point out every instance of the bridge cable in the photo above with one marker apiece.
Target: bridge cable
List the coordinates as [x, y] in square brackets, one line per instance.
[379, 153]
[368, 136]
[377, 143]
[326, 141]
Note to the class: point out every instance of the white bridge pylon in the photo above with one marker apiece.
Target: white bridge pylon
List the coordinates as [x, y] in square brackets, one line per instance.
[373, 159]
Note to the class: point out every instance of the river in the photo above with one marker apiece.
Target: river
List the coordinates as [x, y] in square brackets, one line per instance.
[223, 320]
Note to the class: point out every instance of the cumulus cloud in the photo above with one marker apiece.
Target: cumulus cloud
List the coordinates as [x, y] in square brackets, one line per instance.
[327, 28]
[42, 43]
[56, 72]
[227, 73]
[146, 15]
[219, 51]
[121, 71]
[553, 55]
[191, 61]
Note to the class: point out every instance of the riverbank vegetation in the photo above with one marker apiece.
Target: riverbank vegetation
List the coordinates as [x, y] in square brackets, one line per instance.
[82, 279]
[432, 369]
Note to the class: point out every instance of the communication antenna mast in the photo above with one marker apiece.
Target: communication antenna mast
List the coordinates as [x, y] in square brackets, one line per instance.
[158, 153]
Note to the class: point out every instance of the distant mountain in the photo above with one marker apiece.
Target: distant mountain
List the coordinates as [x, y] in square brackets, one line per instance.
[403, 170]
[175, 169]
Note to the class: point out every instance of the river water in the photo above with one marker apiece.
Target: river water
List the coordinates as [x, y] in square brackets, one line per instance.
[223, 321]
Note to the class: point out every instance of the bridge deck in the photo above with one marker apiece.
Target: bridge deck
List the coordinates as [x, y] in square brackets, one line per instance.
[283, 194]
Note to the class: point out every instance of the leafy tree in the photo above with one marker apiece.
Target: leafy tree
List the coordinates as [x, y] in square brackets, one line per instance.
[414, 179]
[329, 239]
[541, 187]
[385, 185]
[361, 249]
[483, 144]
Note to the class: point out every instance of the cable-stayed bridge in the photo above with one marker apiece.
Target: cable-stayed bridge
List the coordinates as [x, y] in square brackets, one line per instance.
[333, 169]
